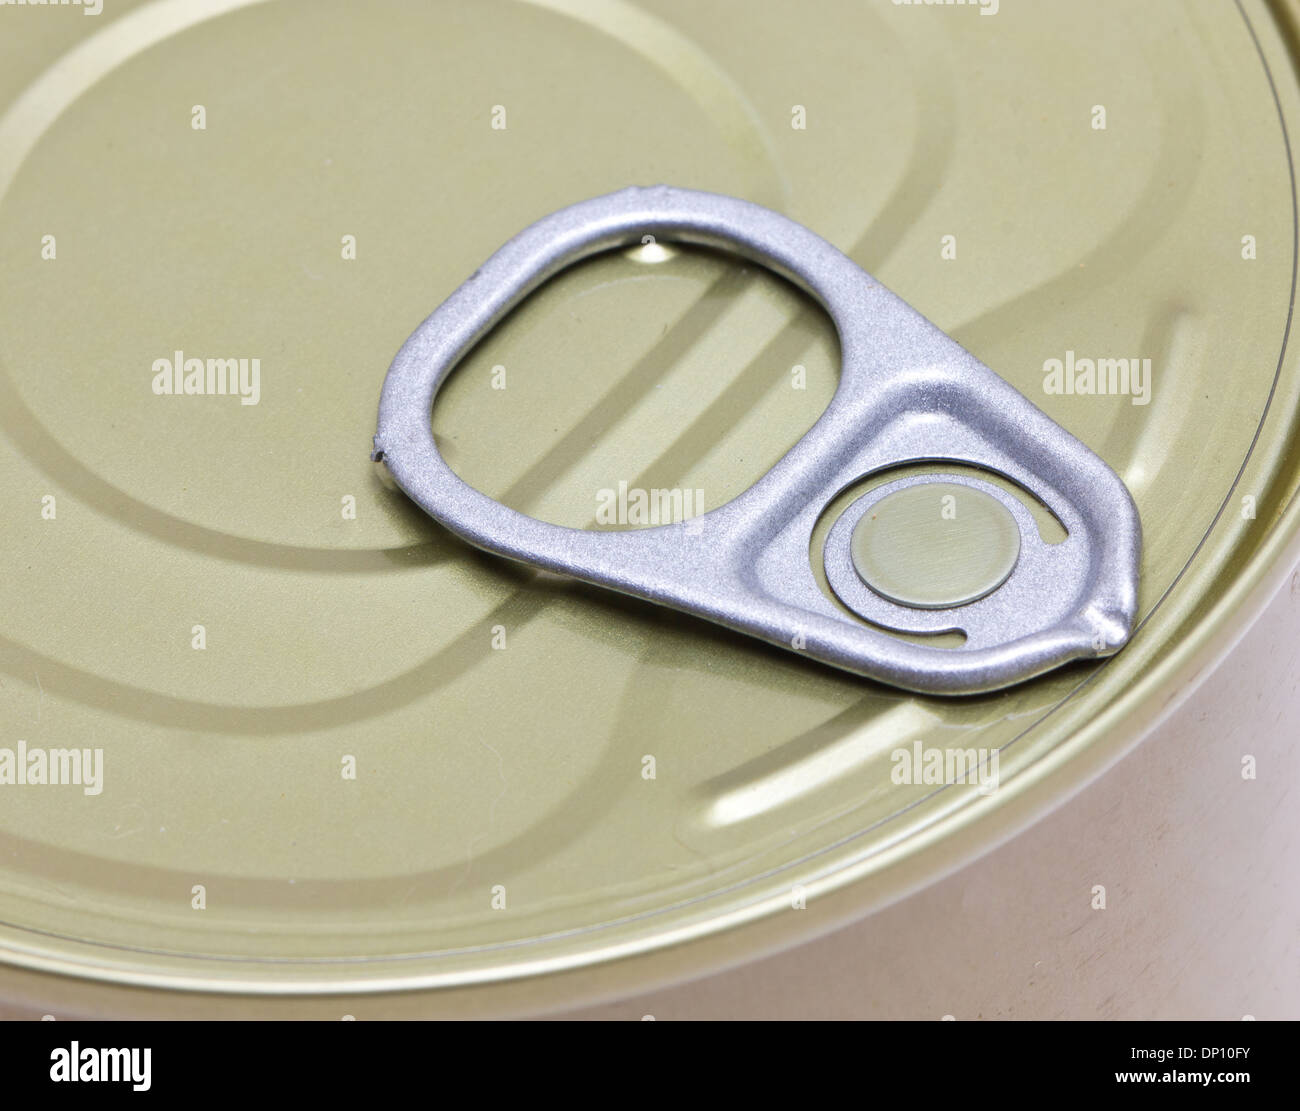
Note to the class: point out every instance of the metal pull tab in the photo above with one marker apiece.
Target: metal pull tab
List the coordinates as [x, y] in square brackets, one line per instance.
[907, 393]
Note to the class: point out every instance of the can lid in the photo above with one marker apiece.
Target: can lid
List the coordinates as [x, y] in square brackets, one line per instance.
[322, 746]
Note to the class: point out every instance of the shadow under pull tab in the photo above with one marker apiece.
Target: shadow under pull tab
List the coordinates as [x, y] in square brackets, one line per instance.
[929, 554]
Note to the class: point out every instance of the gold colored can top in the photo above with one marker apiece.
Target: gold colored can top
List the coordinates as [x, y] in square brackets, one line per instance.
[328, 747]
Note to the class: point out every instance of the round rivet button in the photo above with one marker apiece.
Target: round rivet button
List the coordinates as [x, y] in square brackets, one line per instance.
[935, 545]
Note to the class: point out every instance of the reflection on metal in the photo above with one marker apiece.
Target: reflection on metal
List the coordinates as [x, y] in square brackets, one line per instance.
[741, 796]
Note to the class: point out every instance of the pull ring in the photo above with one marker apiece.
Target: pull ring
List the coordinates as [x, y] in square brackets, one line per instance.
[908, 393]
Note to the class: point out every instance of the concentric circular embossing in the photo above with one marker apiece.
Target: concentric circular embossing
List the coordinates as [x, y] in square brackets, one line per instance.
[253, 255]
